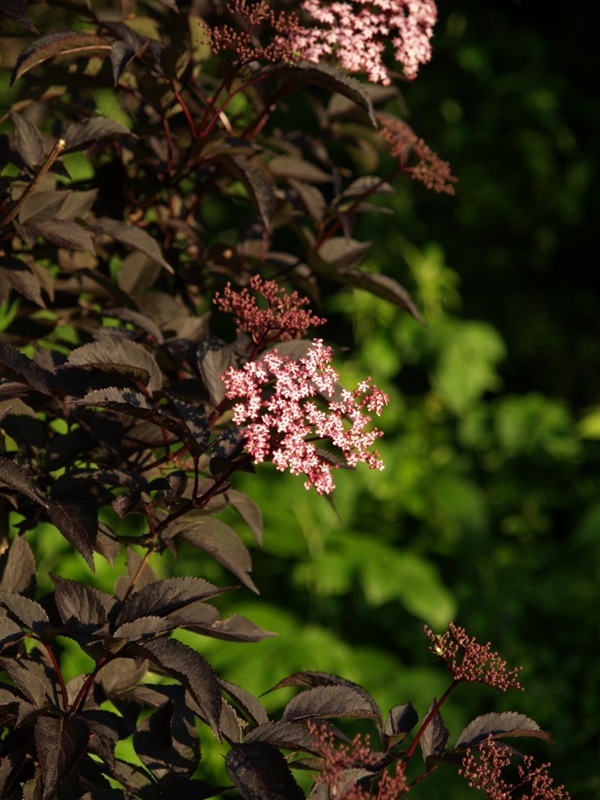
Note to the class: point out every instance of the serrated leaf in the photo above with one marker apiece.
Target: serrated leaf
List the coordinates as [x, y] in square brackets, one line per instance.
[299, 168]
[435, 736]
[260, 772]
[23, 369]
[122, 674]
[28, 612]
[163, 597]
[167, 742]
[507, 723]
[17, 11]
[147, 627]
[12, 475]
[400, 721]
[85, 605]
[19, 276]
[213, 359]
[17, 567]
[311, 198]
[41, 206]
[332, 701]
[136, 238]
[218, 540]
[120, 56]
[80, 135]
[231, 629]
[132, 402]
[78, 523]
[288, 735]
[10, 633]
[258, 185]
[313, 678]
[341, 252]
[141, 321]
[196, 422]
[192, 670]
[60, 742]
[246, 701]
[119, 355]
[64, 233]
[64, 43]
[33, 680]
[30, 143]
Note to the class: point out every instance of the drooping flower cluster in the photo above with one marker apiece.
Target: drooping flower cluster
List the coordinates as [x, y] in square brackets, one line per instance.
[340, 765]
[282, 423]
[356, 33]
[405, 146]
[285, 316]
[483, 767]
[254, 19]
[470, 661]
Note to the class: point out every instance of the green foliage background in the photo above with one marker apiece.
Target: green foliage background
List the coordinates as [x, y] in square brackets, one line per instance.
[488, 512]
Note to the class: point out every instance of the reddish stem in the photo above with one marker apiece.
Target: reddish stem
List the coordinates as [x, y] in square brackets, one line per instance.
[428, 718]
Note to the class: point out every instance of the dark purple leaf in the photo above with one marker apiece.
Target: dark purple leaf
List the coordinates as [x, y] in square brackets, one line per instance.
[258, 185]
[508, 723]
[30, 143]
[217, 539]
[260, 772]
[132, 402]
[122, 674]
[232, 629]
[17, 567]
[78, 523]
[22, 280]
[119, 355]
[332, 701]
[293, 167]
[163, 597]
[246, 701]
[120, 55]
[23, 369]
[311, 198]
[42, 206]
[63, 233]
[32, 680]
[12, 475]
[140, 321]
[288, 735]
[80, 603]
[71, 43]
[400, 721]
[341, 253]
[17, 11]
[60, 742]
[133, 237]
[213, 360]
[179, 661]
[10, 633]
[248, 511]
[167, 742]
[28, 612]
[106, 729]
[80, 135]
[196, 422]
[138, 630]
[381, 286]
[435, 736]
[312, 678]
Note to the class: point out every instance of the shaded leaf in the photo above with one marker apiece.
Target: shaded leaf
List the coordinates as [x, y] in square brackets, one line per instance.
[218, 540]
[299, 168]
[12, 475]
[167, 742]
[80, 135]
[400, 721]
[30, 143]
[381, 286]
[10, 633]
[17, 11]
[27, 612]
[64, 43]
[60, 743]
[246, 701]
[33, 680]
[119, 355]
[161, 598]
[341, 252]
[181, 662]
[23, 369]
[76, 601]
[133, 237]
[19, 276]
[78, 523]
[196, 422]
[312, 678]
[259, 187]
[260, 772]
[249, 511]
[508, 723]
[288, 735]
[42, 205]
[214, 357]
[120, 55]
[17, 567]
[132, 402]
[232, 629]
[64, 233]
[435, 736]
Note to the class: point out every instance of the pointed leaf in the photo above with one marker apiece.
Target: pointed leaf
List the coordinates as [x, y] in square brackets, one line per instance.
[232, 629]
[258, 185]
[12, 475]
[63, 233]
[64, 43]
[42, 205]
[23, 369]
[181, 662]
[214, 357]
[246, 701]
[10, 633]
[381, 286]
[249, 511]
[260, 772]
[148, 627]
[32, 679]
[133, 237]
[288, 735]
[161, 598]
[399, 723]
[293, 167]
[60, 743]
[132, 402]
[19, 276]
[312, 678]
[508, 723]
[30, 143]
[78, 523]
[332, 701]
[167, 742]
[218, 540]
[341, 252]
[120, 355]
[17, 11]
[196, 422]
[435, 736]
[80, 135]
[120, 55]
[76, 601]
[27, 612]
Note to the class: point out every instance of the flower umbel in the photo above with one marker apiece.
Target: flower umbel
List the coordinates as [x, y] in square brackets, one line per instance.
[470, 661]
[285, 316]
[482, 767]
[282, 421]
[356, 34]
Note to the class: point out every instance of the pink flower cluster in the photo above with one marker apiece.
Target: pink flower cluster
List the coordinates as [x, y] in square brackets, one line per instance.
[470, 661]
[483, 769]
[282, 422]
[356, 32]
[285, 316]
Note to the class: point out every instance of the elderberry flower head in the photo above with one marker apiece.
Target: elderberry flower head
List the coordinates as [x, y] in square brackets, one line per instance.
[470, 661]
[356, 33]
[278, 415]
[483, 766]
[285, 316]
